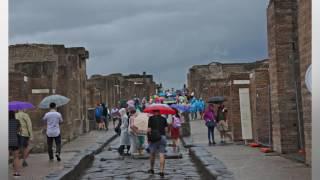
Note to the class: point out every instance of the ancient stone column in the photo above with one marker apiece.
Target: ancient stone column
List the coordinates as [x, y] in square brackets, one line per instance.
[185, 127]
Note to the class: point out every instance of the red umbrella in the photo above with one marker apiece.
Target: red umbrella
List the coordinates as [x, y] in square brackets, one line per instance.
[163, 108]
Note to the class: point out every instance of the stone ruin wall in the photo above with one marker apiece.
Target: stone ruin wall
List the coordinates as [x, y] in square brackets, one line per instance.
[53, 69]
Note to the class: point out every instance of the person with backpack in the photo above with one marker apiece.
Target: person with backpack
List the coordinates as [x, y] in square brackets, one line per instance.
[98, 114]
[105, 117]
[210, 119]
[157, 127]
[175, 130]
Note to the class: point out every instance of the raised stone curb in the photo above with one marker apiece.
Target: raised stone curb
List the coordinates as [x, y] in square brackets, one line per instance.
[75, 166]
[187, 142]
[211, 167]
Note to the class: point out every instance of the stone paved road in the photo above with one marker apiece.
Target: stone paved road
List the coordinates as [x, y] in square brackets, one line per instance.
[117, 167]
[249, 163]
[40, 166]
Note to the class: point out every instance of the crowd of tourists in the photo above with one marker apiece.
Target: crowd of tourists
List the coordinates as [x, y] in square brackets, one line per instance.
[163, 116]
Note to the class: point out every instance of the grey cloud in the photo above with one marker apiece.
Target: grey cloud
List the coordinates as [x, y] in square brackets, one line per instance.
[164, 38]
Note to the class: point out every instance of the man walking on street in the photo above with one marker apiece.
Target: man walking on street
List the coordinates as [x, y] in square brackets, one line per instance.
[53, 120]
[157, 127]
[25, 135]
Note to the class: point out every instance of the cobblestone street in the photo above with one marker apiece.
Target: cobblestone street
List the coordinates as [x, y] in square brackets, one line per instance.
[114, 166]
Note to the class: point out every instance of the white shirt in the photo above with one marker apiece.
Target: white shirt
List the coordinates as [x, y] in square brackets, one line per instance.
[53, 120]
[114, 110]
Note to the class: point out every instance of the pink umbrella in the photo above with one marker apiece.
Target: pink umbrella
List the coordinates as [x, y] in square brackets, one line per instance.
[163, 108]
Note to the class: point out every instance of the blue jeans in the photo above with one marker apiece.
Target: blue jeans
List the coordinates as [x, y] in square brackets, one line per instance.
[211, 133]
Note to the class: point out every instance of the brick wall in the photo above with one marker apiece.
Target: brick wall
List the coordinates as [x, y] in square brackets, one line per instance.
[282, 43]
[304, 30]
[260, 107]
[55, 69]
[19, 86]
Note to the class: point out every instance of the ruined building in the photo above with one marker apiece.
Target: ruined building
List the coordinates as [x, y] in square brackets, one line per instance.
[268, 100]
[39, 70]
[218, 79]
[112, 88]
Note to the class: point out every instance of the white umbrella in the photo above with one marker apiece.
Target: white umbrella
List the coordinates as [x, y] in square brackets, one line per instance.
[57, 99]
[308, 79]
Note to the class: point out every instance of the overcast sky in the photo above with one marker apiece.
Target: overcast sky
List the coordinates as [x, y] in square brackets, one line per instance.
[162, 37]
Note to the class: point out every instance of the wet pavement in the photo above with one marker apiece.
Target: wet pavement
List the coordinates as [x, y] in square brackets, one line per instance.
[249, 163]
[39, 165]
[109, 165]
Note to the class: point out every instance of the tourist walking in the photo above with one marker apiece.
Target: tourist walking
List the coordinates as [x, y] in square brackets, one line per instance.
[210, 119]
[115, 116]
[105, 116]
[222, 125]
[53, 119]
[175, 130]
[98, 116]
[14, 129]
[25, 135]
[124, 136]
[132, 130]
[157, 127]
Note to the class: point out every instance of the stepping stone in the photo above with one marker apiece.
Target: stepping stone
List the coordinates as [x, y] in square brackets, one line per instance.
[173, 155]
[143, 156]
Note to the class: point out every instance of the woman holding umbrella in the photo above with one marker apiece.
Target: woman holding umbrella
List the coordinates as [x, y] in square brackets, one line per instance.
[25, 133]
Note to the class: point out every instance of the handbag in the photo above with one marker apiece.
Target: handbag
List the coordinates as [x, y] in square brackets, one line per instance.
[210, 124]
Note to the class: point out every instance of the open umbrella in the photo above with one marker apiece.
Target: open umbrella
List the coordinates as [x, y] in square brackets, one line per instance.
[308, 79]
[57, 99]
[216, 99]
[181, 107]
[19, 105]
[163, 108]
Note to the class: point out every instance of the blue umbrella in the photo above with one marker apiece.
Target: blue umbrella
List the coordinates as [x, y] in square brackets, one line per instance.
[181, 107]
[19, 105]
[57, 99]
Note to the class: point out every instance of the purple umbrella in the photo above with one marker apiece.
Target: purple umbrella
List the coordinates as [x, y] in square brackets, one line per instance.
[19, 105]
